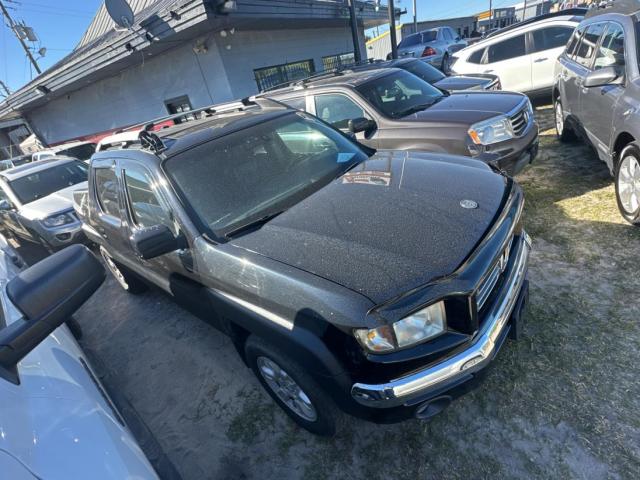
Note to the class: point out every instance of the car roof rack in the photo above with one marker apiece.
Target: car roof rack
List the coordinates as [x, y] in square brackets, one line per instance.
[576, 12]
[152, 141]
[335, 72]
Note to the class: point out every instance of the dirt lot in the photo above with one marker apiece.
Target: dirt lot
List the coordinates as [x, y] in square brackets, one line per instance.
[561, 403]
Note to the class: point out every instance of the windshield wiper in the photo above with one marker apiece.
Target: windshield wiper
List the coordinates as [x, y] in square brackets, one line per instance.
[254, 224]
[418, 108]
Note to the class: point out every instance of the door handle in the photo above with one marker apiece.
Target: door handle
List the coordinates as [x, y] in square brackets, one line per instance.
[488, 71]
[538, 60]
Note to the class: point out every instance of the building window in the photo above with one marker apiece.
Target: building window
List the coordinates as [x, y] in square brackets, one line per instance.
[269, 77]
[179, 105]
[332, 62]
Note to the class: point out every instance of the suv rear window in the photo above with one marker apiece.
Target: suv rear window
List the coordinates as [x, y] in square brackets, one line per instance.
[550, 37]
[506, 49]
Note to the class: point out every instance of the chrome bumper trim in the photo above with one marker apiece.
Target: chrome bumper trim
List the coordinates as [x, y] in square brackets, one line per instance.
[474, 358]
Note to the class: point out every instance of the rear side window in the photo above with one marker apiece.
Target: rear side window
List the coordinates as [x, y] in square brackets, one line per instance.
[107, 191]
[506, 49]
[586, 48]
[337, 110]
[446, 34]
[476, 57]
[551, 37]
[611, 50]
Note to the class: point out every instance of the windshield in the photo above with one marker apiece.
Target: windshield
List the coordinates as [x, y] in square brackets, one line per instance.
[423, 70]
[254, 173]
[45, 182]
[400, 94]
[81, 152]
[418, 38]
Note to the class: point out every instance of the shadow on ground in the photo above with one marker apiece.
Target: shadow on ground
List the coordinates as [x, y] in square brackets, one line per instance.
[561, 403]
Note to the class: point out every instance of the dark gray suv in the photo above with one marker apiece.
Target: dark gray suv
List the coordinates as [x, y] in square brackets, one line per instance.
[391, 108]
[596, 91]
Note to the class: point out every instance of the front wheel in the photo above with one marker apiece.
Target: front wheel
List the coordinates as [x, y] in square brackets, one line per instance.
[292, 388]
[628, 184]
[563, 132]
[126, 280]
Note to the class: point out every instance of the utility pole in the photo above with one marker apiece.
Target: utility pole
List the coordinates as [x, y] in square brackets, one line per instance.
[392, 30]
[12, 25]
[490, 15]
[524, 11]
[415, 17]
[354, 31]
[5, 88]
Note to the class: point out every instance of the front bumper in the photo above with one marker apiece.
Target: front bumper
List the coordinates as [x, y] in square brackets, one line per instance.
[511, 156]
[63, 236]
[450, 373]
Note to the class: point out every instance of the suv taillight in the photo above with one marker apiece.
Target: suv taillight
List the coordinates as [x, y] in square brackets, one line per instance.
[428, 51]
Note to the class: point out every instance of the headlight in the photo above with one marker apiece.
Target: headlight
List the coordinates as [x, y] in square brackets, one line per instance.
[426, 324]
[493, 130]
[58, 220]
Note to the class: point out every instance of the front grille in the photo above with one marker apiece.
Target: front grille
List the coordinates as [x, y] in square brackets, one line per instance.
[519, 121]
[488, 285]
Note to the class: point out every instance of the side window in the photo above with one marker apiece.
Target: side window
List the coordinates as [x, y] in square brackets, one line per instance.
[506, 49]
[337, 109]
[146, 209]
[611, 50]
[551, 37]
[476, 57]
[299, 103]
[573, 42]
[107, 191]
[446, 34]
[587, 47]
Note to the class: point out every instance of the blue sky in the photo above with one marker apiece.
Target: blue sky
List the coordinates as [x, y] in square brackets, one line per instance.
[59, 25]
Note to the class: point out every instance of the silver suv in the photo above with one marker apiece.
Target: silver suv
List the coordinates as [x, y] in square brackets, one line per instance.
[596, 87]
[435, 46]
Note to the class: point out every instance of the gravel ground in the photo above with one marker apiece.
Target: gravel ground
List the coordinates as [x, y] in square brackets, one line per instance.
[561, 403]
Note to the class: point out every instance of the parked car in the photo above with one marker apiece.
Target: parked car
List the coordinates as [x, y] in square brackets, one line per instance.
[393, 109]
[36, 201]
[14, 162]
[375, 283]
[522, 55]
[79, 150]
[435, 46]
[597, 82]
[42, 155]
[435, 77]
[56, 419]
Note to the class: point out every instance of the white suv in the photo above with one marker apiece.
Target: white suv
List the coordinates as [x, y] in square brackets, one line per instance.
[523, 55]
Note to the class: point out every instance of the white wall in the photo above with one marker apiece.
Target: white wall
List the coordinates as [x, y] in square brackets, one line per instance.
[138, 94]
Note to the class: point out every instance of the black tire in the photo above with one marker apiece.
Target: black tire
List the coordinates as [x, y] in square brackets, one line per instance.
[327, 414]
[445, 64]
[563, 131]
[628, 154]
[125, 278]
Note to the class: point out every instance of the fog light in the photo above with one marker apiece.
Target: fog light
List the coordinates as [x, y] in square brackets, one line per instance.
[472, 363]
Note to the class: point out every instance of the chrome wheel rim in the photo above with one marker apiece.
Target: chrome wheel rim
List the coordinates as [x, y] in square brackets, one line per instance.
[559, 118]
[113, 268]
[629, 184]
[286, 389]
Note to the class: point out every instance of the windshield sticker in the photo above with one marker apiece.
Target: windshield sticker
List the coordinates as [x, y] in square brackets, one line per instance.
[345, 157]
[368, 177]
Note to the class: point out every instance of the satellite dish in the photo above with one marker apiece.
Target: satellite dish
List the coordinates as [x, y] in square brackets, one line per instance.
[120, 12]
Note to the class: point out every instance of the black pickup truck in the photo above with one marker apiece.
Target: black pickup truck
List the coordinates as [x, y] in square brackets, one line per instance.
[374, 283]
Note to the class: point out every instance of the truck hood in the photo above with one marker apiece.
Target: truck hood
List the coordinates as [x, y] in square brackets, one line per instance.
[391, 224]
[463, 82]
[59, 201]
[468, 107]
